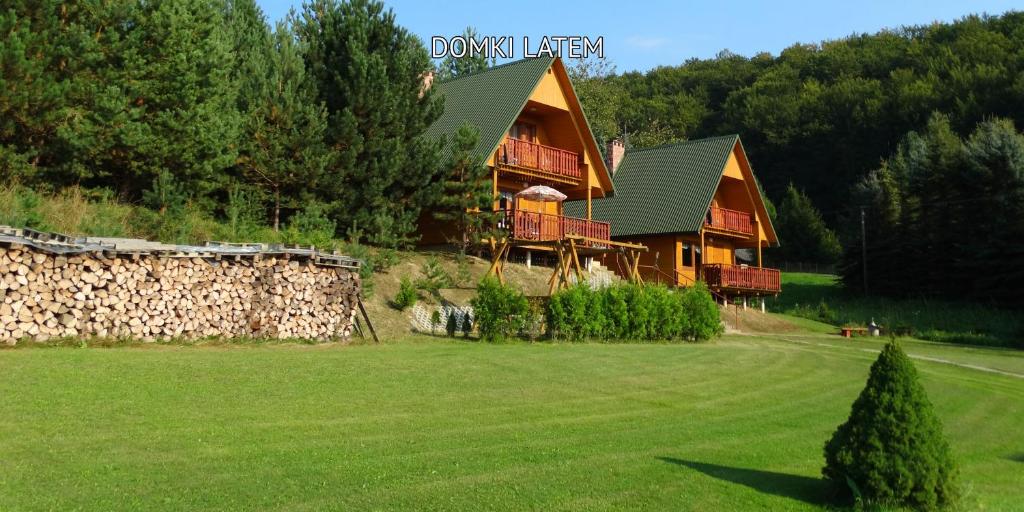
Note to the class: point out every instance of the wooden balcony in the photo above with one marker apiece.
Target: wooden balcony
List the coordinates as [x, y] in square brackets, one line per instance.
[741, 278]
[543, 227]
[541, 161]
[730, 221]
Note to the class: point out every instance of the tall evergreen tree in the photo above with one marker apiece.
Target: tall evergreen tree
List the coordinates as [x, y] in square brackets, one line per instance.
[44, 42]
[951, 207]
[803, 235]
[162, 99]
[369, 73]
[287, 151]
[467, 202]
[452, 67]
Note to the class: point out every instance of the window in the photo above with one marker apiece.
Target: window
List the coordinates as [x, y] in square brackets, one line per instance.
[504, 200]
[523, 131]
[687, 255]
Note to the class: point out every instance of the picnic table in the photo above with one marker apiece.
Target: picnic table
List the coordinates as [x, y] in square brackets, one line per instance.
[847, 332]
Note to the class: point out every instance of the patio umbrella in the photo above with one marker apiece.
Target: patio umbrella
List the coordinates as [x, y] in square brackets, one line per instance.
[541, 193]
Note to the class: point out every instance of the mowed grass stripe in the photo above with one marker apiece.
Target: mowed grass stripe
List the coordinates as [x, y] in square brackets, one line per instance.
[455, 426]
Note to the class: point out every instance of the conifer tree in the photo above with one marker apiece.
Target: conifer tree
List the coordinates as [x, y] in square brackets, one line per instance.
[467, 202]
[452, 67]
[162, 98]
[891, 451]
[802, 232]
[287, 154]
[369, 73]
[34, 59]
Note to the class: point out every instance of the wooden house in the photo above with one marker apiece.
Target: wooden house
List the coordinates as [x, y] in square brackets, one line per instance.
[532, 131]
[694, 205]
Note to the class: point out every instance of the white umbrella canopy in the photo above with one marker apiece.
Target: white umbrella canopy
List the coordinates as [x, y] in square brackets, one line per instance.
[541, 193]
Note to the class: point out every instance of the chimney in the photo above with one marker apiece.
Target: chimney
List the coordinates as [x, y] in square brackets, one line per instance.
[428, 80]
[613, 155]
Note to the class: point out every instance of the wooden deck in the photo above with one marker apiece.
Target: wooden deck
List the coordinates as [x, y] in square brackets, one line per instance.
[524, 226]
[741, 278]
[730, 221]
[539, 161]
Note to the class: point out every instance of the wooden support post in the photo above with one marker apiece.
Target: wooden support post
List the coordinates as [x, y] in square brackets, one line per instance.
[566, 266]
[576, 262]
[366, 317]
[703, 257]
[636, 266]
[494, 188]
[497, 260]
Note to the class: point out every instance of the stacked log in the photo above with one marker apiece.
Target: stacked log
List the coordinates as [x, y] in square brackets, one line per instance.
[151, 297]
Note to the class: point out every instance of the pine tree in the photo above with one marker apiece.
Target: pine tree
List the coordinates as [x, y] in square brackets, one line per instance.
[802, 232]
[162, 98]
[39, 36]
[287, 154]
[891, 451]
[468, 199]
[452, 67]
[369, 73]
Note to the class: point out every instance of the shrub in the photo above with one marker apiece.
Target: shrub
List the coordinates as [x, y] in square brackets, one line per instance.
[406, 296]
[500, 311]
[891, 450]
[310, 226]
[568, 312]
[701, 312]
[463, 274]
[243, 214]
[434, 277]
[632, 312]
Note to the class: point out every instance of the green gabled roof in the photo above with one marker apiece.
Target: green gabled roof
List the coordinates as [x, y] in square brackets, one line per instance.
[490, 100]
[664, 189]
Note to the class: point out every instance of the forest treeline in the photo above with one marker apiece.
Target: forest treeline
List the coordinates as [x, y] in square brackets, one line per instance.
[913, 125]
[320, 119]
[203, 104]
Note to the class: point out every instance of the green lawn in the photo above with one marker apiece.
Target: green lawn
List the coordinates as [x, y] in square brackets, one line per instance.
[820, 297]
[735, 424]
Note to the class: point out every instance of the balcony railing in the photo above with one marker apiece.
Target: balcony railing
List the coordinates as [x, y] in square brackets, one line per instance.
[730, 220]
[742, 278]
[540, 157]
[543, 227]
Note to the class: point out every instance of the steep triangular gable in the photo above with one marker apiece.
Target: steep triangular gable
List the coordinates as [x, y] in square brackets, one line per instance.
[664, 189]
[755, 194]
[492, 99]
[669, 188]
[597, 164]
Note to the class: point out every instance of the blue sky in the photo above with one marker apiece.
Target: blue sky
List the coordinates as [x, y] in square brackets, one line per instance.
[643, 35]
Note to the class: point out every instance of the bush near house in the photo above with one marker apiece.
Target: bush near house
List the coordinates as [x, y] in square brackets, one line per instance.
[500, 311]
[891, 451]
[406, 296]
[629, 311]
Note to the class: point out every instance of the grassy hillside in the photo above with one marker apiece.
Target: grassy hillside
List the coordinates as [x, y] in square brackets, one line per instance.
[737, 424]
[819, 297]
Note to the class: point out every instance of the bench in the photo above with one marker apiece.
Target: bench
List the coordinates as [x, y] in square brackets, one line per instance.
[847, 332]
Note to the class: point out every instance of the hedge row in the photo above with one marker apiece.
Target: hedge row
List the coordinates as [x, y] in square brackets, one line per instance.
[621, 312]
[631, 312]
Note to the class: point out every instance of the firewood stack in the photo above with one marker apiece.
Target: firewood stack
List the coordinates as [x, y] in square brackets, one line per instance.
[172, 294]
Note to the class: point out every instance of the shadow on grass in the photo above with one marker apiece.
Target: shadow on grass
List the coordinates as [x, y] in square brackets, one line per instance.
[802, 488]
[1019, 457]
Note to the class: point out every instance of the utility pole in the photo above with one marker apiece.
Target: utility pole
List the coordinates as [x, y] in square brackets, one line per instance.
[863, 250]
